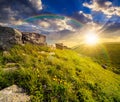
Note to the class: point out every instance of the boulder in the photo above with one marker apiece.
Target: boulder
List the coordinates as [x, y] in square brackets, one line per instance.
[104, 66]
[61, 46]
[9, 37]
[13, 94]
[34, 38]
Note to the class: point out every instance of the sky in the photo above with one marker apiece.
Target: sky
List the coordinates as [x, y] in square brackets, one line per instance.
[63, 20]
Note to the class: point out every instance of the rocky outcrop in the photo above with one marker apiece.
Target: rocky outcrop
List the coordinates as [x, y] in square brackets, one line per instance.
[13, 94]
[10, 37]
[33, 38]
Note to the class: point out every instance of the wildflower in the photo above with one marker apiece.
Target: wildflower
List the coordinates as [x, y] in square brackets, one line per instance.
[54, 79]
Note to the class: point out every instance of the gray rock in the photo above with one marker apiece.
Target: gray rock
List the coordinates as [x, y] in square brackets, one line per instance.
[33, 38]
[9, 37]
[13, 94]
[61, 46]
[104, 66]
[6, 53]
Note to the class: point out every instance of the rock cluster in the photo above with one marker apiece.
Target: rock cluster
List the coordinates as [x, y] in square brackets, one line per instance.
[33, 38]
[10, 37]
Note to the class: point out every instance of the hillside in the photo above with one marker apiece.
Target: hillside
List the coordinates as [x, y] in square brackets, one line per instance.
[57, 75]
[107, 54]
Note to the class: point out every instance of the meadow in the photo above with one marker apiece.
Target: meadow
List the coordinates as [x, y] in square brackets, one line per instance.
[52, 75]
[107, 54]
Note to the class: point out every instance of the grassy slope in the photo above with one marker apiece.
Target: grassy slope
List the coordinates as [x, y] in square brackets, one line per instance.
[110, 57]
[60, 76]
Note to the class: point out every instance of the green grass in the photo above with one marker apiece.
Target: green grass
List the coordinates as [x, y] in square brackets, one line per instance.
[59, 76]
[105, 54]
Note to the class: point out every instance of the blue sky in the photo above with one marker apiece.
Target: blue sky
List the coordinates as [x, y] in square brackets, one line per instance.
[104, 15]
[66, 7]
[21, 9]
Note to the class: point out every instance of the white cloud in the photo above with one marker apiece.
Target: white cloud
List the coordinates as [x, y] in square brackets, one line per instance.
[36, 3]
[108, 3]
[89, 16]
[104, 6]
[55, 25]
[61, 24]
[44, 24]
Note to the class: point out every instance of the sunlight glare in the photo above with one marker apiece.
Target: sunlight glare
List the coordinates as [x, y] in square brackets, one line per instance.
[91, 38]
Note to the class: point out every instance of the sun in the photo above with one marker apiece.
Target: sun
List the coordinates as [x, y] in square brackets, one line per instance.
[91, 38]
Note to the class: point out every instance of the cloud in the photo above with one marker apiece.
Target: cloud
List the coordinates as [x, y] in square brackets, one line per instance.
[88, 16]
[44, 24]
[55, 24]
[60, 25]
[17, 10]
[103, 6]
[82, 17]
[36, 3]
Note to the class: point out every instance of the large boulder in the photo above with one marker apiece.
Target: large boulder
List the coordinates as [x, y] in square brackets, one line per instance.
[13, 94]
[9, 37]
[34, 38]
